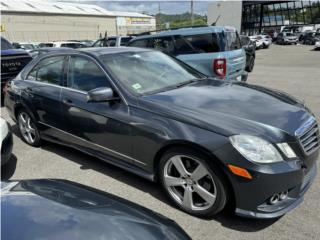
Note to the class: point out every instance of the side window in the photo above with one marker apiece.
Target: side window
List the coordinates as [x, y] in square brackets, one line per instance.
[48, 70]
[163, 44]
[111, 43]
[205, 43]
[124, 41]
[85, 75]
[99, 43]
[143, 43]
[182, 46]
[244, 41]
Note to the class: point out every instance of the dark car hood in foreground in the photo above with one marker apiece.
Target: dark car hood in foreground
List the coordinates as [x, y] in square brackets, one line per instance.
[59, 209]
[230, 108]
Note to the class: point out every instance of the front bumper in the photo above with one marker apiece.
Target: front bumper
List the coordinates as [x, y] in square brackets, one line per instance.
[252, 196]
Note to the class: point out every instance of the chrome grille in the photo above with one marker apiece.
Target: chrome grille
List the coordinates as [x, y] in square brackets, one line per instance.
[308, 135]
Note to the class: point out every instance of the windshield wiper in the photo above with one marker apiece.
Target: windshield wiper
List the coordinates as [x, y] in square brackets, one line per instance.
[190, 82]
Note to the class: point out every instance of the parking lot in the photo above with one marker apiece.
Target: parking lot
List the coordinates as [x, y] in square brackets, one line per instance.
[294, 69]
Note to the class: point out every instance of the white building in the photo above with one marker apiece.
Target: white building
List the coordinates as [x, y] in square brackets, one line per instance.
[225, 13]
[40, 20]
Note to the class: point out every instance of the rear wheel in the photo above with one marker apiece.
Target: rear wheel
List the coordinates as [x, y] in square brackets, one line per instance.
[191, 183]
[251, 64]
[28, 129]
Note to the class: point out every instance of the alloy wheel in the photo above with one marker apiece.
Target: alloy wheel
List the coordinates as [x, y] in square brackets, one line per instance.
[27, 128]
[189, 183]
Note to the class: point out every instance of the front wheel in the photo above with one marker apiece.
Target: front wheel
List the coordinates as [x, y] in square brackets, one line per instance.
[28, 129]
[251, 64]
[191, 183]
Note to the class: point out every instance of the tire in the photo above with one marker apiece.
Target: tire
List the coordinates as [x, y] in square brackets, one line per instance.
[204, 194]
[251, 64]
[28, 129]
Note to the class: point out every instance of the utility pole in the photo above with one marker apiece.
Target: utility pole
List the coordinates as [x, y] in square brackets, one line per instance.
[159, 16]
[191, 10]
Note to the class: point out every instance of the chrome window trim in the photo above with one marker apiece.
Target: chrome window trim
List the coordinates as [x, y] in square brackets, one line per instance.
[97, 145]
[76, 90]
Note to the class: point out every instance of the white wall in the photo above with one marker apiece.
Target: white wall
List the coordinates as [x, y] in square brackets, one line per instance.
[230, 13]
[24, 27]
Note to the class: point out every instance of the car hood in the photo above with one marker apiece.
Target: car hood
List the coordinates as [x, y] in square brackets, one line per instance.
[59, 209]
[230, 107]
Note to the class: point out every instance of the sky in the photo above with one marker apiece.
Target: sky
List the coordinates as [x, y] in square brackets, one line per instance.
[151, 6]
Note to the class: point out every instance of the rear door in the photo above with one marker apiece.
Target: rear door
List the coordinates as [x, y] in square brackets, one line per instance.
[42, 91]
[101, 127]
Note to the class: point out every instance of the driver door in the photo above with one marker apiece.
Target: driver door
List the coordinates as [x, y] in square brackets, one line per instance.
[97, 127]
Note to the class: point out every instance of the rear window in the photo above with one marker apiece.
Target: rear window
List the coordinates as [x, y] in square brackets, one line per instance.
[5, 45]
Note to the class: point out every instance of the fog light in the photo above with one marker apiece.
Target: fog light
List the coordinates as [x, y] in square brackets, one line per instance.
[283, 195]
[274, 199]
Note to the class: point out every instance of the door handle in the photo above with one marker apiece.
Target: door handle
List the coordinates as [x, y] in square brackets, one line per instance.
[67, 102]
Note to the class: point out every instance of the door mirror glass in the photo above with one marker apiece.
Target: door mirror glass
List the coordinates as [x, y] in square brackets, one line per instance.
[103, 94]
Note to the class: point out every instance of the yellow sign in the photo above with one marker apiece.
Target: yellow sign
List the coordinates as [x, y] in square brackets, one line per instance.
[135, 20]
[2, 29]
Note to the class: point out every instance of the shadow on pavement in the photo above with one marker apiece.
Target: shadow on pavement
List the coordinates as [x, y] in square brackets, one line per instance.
[226, 218]
[9, 168]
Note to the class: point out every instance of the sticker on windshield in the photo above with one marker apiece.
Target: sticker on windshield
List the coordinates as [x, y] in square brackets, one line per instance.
[136, 86]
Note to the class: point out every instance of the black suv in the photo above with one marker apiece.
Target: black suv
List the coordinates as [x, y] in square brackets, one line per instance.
[12, 61]
[250, 48]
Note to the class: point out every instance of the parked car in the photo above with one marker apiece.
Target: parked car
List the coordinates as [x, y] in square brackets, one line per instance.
[266, 40]
[45, 50]
[12, 62]
[250, 48]
[208, 142]
[26, 46]
[257, 40]
[59, 209]
[317, 46]
[287, 38]
[310, 38]
[68, 44]
[112, 41]
[6, 141]
[214, 51]
[46, 44]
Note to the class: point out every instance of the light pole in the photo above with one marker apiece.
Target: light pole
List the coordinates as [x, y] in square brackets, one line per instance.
[191, 10]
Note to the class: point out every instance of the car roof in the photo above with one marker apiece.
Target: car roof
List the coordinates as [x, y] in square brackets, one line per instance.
[189, 31]
[97, 51]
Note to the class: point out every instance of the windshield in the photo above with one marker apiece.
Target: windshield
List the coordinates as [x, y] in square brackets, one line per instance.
[5, 45]
[148, 72]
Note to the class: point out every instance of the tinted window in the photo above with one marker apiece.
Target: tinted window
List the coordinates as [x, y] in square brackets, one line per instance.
[111, 42]
[244, 40]
[149, 71]
[85, 75]
[143, 43]
[164, 44]
[99, 43]
[182, 46]
[204, 43]
[5, 44]
[124, 41]
[71, 45]
[49, 70]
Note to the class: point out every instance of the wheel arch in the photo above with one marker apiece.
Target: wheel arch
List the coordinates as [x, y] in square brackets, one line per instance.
[19, 106]
[216, 163]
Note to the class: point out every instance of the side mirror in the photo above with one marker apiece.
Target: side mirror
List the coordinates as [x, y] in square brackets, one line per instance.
[103, 94]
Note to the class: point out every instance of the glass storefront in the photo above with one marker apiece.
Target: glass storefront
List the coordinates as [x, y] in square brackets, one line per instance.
[266, 16]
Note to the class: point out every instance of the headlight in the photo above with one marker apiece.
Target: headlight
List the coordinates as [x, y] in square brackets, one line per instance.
[256, 149]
